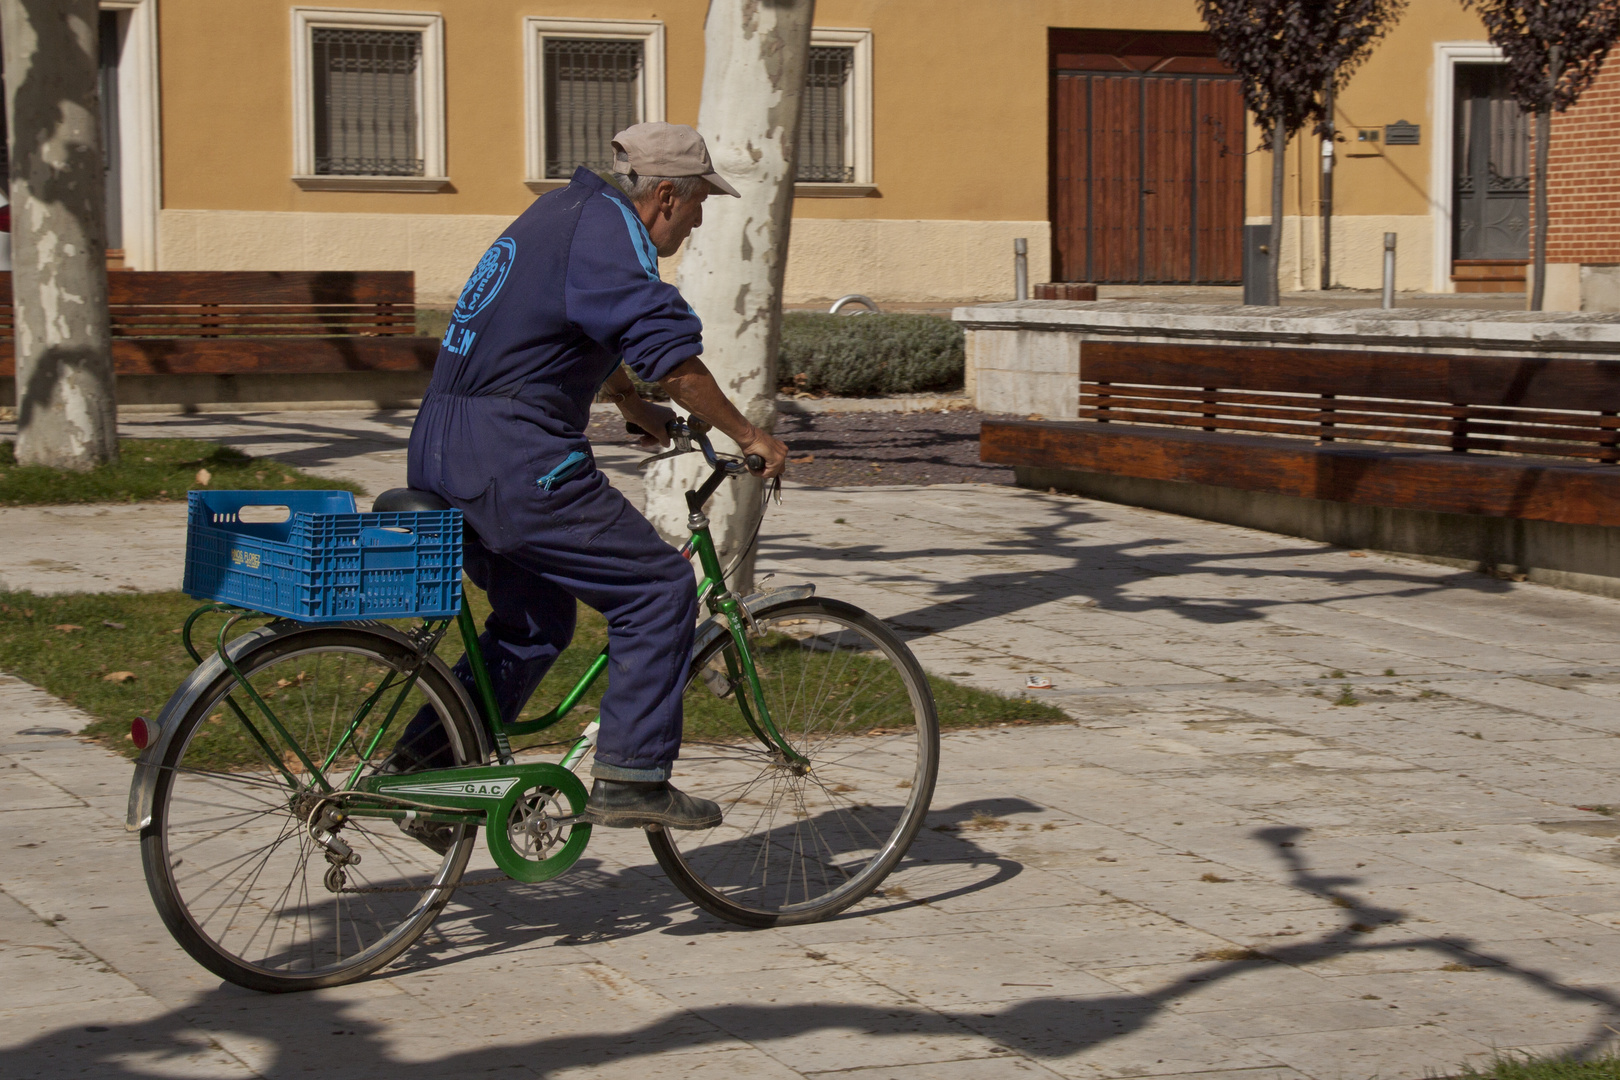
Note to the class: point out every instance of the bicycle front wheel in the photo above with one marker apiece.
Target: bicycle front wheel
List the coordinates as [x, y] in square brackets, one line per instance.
[804, 839]
[231, 856]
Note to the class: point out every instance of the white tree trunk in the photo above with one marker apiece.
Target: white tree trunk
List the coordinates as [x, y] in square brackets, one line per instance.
[66, 409]
[731, 272]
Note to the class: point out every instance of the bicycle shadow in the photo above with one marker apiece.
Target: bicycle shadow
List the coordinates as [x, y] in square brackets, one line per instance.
[594, 904]
[353, 1032]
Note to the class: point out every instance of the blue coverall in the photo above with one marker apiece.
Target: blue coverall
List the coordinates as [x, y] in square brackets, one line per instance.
[565, 294]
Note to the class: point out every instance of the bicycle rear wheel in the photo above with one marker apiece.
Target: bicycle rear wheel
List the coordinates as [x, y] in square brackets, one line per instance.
[230, 859]
[802, 842]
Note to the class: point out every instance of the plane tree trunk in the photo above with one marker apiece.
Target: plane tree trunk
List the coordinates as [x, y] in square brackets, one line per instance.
[66, 414]
[731, 271]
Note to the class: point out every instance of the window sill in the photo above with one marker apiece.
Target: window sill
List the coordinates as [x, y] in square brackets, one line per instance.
[801, 191]
[834, 191]
[416, 184]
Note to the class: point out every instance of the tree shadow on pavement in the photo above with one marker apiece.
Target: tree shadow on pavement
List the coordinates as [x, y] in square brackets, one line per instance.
[264, 434]
[1102, 574]
[353, 1032]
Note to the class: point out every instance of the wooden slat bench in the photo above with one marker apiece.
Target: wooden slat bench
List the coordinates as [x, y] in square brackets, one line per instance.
[1535, 439]
[255, 323]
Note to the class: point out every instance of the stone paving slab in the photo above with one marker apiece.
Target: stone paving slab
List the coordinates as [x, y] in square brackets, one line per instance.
[1213, 871]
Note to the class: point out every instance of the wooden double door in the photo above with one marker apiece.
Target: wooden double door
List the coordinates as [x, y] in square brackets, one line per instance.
[1147, 168]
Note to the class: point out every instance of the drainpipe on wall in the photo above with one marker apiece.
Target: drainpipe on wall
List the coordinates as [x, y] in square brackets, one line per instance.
[1327, 197]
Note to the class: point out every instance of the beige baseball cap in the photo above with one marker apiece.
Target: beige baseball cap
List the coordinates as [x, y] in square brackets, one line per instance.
[661, 149]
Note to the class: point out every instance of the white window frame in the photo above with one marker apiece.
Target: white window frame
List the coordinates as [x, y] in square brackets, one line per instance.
[430, 97]
[857, 114]
[139, 131]
[536, 30]
[1447, 56]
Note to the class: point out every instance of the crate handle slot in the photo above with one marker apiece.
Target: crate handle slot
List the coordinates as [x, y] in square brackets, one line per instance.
[264, 515]
[386, 539]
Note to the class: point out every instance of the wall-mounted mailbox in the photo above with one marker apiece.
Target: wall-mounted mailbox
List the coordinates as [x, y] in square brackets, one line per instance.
[1400, 133]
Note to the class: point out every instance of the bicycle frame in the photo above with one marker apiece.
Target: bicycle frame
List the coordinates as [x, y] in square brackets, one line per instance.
[467, 794]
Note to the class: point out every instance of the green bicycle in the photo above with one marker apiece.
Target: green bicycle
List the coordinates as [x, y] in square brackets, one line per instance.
[279, 856]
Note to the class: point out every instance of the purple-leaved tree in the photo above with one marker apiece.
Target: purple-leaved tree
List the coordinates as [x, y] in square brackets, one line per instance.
[1291, 55]
[1553, 50]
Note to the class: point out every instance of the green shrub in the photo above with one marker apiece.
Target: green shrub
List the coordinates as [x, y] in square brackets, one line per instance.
[857, 355]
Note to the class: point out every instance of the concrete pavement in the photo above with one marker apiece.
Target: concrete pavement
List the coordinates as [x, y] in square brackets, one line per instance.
[1318, 816]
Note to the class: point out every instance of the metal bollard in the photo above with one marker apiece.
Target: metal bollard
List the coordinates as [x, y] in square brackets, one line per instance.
[1389, 270]
[1021, 269]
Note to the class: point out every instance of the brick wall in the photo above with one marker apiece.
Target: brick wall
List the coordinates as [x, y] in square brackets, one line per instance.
[1583, 171]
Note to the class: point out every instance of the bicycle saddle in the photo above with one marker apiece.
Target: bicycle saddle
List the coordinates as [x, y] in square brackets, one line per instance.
[405, 500]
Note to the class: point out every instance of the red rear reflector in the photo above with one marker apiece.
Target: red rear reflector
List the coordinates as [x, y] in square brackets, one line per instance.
[5, 219]
[140, 732]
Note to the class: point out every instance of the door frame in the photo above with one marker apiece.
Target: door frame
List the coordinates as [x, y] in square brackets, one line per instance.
[1447, 56]
[139, 132]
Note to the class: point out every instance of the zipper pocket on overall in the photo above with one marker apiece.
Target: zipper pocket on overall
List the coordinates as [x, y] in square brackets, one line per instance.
[568, 467]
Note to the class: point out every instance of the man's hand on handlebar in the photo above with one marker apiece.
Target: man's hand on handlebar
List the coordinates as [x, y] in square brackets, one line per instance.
[771, 449]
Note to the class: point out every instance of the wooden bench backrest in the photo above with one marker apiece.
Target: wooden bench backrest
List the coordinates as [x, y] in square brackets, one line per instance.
[1466, 404]
[252, 303]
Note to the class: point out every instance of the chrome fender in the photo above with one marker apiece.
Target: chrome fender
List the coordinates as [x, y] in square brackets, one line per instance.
[714, 627]
[143, 787]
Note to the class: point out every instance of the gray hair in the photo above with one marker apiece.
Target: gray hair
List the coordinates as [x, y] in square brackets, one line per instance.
[639, 187]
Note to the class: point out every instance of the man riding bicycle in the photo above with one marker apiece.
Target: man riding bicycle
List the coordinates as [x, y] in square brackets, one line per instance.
[561, 304]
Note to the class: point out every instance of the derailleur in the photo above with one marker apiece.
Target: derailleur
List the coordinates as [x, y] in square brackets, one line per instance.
[324, 822]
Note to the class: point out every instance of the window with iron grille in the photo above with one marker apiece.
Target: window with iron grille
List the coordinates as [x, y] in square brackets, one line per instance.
[367, 85]
[824, 117]
[592, 92]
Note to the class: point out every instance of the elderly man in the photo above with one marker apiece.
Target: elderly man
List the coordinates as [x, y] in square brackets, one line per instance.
[566, 299]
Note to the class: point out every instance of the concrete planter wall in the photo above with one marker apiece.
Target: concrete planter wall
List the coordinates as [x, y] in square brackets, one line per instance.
[1026, 358]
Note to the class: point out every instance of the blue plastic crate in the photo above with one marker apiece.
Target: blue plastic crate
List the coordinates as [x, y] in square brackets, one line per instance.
[325, 562]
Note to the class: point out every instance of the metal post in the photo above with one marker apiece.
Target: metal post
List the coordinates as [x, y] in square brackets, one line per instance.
[1389, 270]
[1327, 209]
[1021, 268]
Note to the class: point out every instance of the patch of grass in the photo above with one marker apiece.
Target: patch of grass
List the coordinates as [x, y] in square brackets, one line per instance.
[160, 470]
[1346, 696]
[1511, 1067]
[1601, 808]
[68, 645]
[1214, 878]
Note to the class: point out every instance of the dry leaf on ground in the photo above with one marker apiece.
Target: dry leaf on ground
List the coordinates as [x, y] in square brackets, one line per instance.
[67, 627]
[203, 476]
[119, 676]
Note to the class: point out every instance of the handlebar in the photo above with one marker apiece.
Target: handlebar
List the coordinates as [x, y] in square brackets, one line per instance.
[683, 433]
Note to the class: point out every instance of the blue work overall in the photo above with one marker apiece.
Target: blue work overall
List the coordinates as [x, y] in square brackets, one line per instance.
[568, 292]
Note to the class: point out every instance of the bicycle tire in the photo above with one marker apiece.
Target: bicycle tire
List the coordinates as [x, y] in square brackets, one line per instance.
[231, 864]
[800, 845]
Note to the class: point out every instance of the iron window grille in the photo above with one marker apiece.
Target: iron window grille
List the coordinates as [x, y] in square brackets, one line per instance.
[824, 117]
[367, 87]
[592, 92]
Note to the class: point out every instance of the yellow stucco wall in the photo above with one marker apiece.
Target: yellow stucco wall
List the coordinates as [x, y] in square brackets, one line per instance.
[960, 133]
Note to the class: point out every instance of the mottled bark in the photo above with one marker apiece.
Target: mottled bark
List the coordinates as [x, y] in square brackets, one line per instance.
[731, 272]
[65, 397]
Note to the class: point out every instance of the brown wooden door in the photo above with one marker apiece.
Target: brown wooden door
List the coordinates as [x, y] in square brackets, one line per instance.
[1147, 177]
